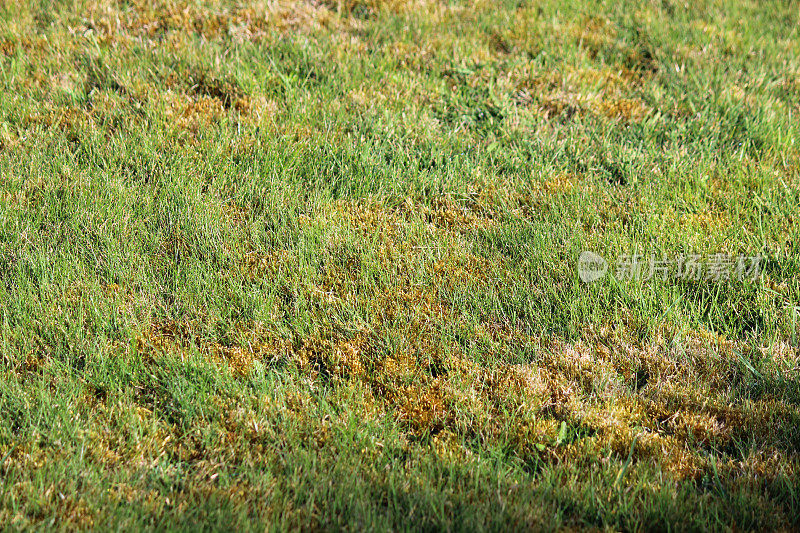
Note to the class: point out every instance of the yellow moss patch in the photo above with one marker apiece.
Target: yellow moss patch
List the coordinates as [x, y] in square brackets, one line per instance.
[340, 357]
[422, 406]
[562, 183]
[267, 266]
[449, 447]
[188, 113]
[212, 20]
[626, 109]
[170, 337]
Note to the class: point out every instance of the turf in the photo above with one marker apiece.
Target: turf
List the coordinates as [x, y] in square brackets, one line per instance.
[313, 264]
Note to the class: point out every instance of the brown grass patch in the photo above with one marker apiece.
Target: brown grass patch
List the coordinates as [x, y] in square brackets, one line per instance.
[147, 20]
[578, 92]
[177, 337]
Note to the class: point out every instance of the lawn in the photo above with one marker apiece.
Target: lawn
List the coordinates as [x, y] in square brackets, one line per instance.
[314, 264]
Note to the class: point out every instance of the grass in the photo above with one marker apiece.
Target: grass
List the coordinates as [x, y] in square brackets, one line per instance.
[312, 264]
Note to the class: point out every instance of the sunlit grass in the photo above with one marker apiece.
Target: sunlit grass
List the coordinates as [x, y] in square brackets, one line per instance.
[313, 265]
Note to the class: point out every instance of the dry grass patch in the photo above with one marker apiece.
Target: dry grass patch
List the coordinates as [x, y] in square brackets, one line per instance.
[253, 21]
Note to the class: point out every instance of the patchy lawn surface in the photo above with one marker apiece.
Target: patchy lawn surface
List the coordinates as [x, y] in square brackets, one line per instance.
[313, 264]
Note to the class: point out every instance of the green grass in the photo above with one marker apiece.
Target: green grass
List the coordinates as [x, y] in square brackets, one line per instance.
[314, 265]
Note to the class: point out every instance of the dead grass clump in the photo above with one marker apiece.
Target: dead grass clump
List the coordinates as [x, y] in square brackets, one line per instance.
[393, 94]
[689, 410]
[413, 56]
[784, 355]
[613, 81]
[162, 336]
[521, 387]
[254, 344]
[54, 498]
[623, 427]
[672, 455]
[368, 8]
[422, 406]
[228, 92]
[761, 467]
[702, 428]
[7, 47]
[594, 34]
[576, 93]
[369, 217]
[444, 213]
[76, 122]
[578, 365]
[449, 447]
[468, 399]
[239, 359]
[73, 511]
[398, 367]
[212, 21]
[561, 183]
[257, 110]
[418, 308]
[458, 395]
[625, 109]
[525, 83]
[258, 265]
[567, 105]
[459, 215]
[192, 113]
[563, 104]
[467, 270]
[690, 358]
[772, 420]
[149, 18]
[332, 356]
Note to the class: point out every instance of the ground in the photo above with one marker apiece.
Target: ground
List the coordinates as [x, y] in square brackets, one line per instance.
[313, 264]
